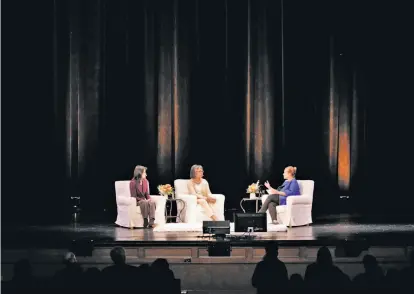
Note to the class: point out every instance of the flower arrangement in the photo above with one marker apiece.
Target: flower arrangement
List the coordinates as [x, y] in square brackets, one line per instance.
[165, 189]
[253, 188]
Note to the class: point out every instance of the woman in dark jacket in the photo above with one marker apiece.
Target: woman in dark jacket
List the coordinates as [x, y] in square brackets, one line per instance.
[139, 187]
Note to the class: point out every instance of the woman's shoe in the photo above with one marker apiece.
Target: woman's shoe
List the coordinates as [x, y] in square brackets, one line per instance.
[145, 223]
[151, 223]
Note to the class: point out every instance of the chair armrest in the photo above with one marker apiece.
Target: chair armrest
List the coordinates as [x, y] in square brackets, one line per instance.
[220, 198]
[158, 198]
[188, 211]
[125, 201]
[160, 202]
[187, 198]
[302, 199]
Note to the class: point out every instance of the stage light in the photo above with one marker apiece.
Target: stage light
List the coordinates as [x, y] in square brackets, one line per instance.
[75, 205]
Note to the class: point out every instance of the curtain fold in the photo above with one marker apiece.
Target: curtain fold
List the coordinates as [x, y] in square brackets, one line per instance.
[260, 89]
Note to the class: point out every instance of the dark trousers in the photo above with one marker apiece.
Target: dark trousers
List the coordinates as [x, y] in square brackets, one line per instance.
[147, 209]
[271, 202]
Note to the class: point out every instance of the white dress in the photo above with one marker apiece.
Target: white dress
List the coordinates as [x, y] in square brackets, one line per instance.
[198, 189]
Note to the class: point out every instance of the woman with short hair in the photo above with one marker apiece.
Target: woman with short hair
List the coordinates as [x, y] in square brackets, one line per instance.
[200, 188]
[278, 196]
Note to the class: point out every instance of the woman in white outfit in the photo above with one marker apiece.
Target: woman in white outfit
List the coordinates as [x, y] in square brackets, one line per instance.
[200, 188]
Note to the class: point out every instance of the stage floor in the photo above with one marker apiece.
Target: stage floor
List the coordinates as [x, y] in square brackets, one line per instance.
[106, 234]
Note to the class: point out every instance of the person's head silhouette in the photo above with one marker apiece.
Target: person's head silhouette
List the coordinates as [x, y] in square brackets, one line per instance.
[272, 250]
[118, 255]
[324, 256]
[160, 264]
[370, 262]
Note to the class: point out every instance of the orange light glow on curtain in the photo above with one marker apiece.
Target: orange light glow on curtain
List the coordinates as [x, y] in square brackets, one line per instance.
[166, 88]
[342, 120]
[344, 160]
[180, 97]
[165, 132]
[333, 117]
[259, 107]
[344, 142]
[172, 98]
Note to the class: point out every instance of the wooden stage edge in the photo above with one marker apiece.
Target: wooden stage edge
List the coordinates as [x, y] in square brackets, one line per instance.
[188, 254]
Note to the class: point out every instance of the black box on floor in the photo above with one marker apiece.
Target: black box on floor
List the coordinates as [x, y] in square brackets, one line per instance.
[219, 249]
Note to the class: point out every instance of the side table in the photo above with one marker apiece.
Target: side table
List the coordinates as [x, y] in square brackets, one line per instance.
[250, 199]
[168, 212]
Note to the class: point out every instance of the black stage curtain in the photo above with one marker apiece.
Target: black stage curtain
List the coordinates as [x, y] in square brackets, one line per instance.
[243, 88]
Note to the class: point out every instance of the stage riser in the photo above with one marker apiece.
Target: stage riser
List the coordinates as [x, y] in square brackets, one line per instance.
[198, 271]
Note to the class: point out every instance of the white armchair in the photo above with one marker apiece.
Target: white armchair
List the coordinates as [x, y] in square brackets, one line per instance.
[193, 212]
[129, 214]
[298, 209]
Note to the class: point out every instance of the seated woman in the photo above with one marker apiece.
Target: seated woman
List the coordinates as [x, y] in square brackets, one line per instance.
[200, 188]
[139, 188]
[278, 196]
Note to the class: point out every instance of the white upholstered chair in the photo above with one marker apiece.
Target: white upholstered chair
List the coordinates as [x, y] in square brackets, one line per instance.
[193, 212]
[298, 209]
[129, 214]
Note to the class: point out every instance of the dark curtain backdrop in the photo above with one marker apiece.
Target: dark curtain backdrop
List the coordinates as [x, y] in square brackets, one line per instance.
[245, 88]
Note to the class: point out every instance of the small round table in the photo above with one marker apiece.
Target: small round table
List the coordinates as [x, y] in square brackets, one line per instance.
[168, 214]
[250, 199]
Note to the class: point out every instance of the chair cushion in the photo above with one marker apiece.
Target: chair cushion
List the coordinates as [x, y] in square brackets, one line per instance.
[281, 208]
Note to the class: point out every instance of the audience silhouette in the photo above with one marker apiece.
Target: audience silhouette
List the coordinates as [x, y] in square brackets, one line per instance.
[270, 273]
[23, 276]
[296, 283]
[373, 275]
[160, 271]
[407, 274]
[121, 275]
[270, 276]
[323, 273]
[91, 278]
[69, 277]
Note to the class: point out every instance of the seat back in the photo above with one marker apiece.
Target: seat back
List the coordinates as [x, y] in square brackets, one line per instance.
[306, 187]
[122, 189]
[181, 187]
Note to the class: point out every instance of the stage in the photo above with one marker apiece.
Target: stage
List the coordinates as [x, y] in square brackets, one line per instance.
[188, 252]
[327, 232]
